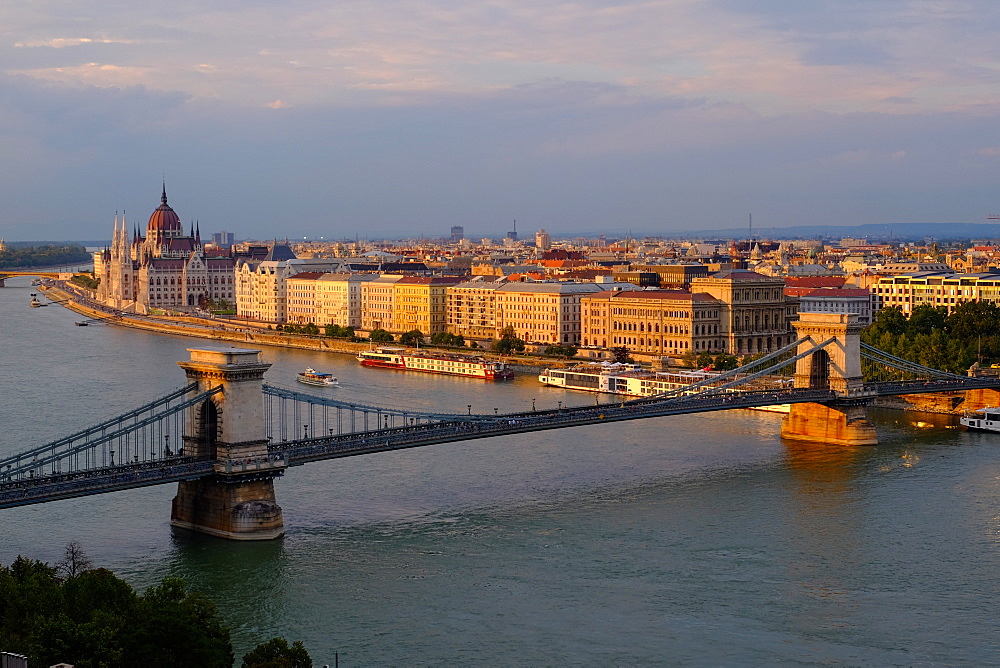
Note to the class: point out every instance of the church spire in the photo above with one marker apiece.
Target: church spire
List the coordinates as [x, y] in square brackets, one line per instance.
[163, 197]
[116, 235]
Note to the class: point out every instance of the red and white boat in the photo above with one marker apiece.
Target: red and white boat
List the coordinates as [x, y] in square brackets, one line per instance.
[427, 362]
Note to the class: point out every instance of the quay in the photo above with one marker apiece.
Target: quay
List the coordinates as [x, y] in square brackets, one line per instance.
[240, 333]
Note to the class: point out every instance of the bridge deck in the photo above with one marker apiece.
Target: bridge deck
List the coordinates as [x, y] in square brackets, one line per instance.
[44, 488]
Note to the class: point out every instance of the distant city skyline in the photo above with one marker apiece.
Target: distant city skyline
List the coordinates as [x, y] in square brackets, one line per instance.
[406, 118]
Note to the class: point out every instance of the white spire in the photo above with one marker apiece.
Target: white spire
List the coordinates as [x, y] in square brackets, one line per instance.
[114, 237]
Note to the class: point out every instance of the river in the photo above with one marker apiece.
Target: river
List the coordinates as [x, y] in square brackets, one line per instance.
[700, 539]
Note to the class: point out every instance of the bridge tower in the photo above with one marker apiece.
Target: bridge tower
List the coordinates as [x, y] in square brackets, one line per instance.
[836, 367]
[237, 502]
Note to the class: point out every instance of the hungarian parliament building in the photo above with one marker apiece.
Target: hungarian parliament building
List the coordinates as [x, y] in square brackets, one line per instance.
[162, 267]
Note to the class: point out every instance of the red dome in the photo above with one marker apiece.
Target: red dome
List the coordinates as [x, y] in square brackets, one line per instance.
[164, 219]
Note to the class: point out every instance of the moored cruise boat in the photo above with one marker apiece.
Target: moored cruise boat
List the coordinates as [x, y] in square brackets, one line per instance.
[630, 380]
[984, 419]
[428, 362]
[313, 377]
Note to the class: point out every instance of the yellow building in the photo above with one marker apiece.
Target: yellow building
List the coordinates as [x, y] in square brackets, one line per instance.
[940, 288]
[470, 309]
[543, 313]
[653, 322]
[338, 298]
[301, 302]
[419, 303]
[378, 303]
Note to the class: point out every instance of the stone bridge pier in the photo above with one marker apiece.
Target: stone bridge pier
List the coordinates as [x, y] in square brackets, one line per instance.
[836, 367]
[238, 501]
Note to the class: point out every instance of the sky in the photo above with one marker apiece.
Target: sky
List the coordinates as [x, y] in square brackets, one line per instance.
[399, 118]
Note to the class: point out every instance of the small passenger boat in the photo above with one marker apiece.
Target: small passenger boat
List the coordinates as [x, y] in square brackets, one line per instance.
[312, 377]
[984, 419]
[81, 323]
[35, 302]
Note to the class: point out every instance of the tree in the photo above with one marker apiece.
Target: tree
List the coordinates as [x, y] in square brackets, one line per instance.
[926, 318]
[339, 332]
[447, 339]
[276, 653]
[96, 619]
[620, 354]
[74, 561]
[508, 342]
[414, 337]
[724, 362]
[889, 320]
[380, 336]
[560, 351]
[175, 627]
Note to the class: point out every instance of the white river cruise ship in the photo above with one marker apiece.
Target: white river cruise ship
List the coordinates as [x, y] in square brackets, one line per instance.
[634, 381]
[429, 362]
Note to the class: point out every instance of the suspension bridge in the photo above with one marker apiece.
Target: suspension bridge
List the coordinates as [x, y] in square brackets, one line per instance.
[225, 436]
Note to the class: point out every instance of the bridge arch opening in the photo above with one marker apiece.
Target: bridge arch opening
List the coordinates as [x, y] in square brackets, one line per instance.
[819, 371]
[208, 428]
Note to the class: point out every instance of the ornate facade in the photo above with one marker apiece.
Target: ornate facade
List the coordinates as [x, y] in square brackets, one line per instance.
[162, 270]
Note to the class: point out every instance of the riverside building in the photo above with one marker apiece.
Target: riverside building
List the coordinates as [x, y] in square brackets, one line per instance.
[936, 288]
[753, 314]
[419, 303]
[470, 309]
[378, 301]
[664, 323]
[262, 285]
[543, 313]
[163, 269]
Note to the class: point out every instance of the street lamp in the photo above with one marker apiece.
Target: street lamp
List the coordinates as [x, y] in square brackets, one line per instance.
[305, 431]
[470, 408]
[532, 405]
[560, 406]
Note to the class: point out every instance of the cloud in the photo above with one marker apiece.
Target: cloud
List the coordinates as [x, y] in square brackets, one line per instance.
[62, 42]
[410, 114]
[772, 56]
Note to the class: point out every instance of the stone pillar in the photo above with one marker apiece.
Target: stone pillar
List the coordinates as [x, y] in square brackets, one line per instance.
[835, 425]
[837, 367]
[843, 356]
[976, 399]
[237, 502]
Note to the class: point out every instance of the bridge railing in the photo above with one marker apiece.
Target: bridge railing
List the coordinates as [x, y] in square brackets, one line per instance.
[341, 445]
[292, 415]
[51, 487]
[139, 436]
